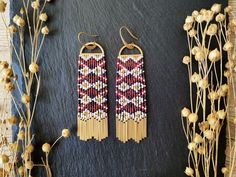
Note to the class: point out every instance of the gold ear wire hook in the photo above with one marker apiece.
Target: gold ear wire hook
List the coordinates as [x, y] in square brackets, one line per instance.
[128, 45]
[90, 47]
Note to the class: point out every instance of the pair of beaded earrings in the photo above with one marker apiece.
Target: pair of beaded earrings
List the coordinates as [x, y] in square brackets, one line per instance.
[131, 102]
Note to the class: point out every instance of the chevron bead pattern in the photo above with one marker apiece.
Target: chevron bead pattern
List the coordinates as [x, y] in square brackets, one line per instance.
[131, 103]
[92, 97]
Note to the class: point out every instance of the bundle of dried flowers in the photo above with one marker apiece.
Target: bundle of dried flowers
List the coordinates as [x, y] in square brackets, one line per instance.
[31, 19]
[208, 42]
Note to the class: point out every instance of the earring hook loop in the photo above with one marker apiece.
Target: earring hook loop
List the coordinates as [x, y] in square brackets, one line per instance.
[128, 45]
[90, 45]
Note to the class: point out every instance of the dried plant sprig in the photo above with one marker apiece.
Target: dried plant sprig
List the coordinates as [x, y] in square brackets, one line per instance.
[19, 160]
[207, 36]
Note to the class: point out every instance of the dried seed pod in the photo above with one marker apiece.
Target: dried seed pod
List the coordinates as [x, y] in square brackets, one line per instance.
[29, 165]
[12, 29]
[7, 73]
[46, 147]
[185, 112]
[193, 117]
[189, 171]
[25, 99]
[212, 30]
[12, 120]
[35, 4]
[214, 55]
[45, 30]
[65, 133]
[43, 17]
[3, 6]
[33, 67]
[4, 64]
[4, 159]
[21, 135]
[216, 8]
[9, 87]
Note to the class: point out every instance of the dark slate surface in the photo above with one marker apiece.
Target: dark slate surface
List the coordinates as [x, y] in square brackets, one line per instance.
[158, 23]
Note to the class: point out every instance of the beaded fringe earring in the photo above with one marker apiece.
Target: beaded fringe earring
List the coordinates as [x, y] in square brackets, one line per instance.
[131, 103]
[92, 93]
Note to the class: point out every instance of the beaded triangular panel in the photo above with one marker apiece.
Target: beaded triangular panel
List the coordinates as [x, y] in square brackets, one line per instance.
[92, 97]
[131, 102]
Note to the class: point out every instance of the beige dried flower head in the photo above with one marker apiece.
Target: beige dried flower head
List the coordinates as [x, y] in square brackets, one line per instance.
[29, 165]
[232, 22]
[192, 146]
[198, 138]
[213, 96]
[12, 120]
[214, 55]
[203, 11]
[199, 18]
[25, 156]
[204, 126]
[209, 134]
[195, 13]
[4, 159]
[21, 170]
[220, 17]
[19, 21]
[30, 148]
[189, 171]
[7, 73]
[195, 49]
[187, 26]
[203, 83]
[233, 56]
[189, 19]
[229, 64]
[12, 29]
[14, 146]
[43, 17]
[22, 11]
[201, 150]
[192, 32]
[216, 8]
[65, 133]
[224, 170]
[228, 46]
[21, 135]
[195, 77]
[200, 56]
[46, 147]
[33, 68]
[228, 9]
[225, 87]
[185, 112]
[186, 60]
[227, 73]
[9, 87]
[208, 15]
[3, 64]
[3, 6]
[212, 119]
[45, 30]
[25, 99]
[35, 4]
[212, 30]
[193, 117]
[221, 114]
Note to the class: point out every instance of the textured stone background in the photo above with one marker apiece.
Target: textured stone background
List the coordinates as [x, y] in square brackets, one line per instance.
[158, 23]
